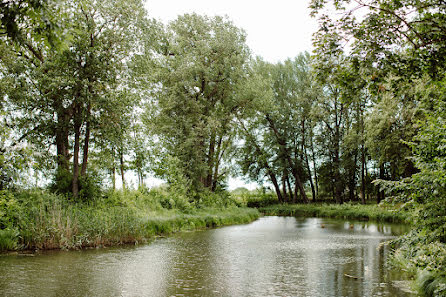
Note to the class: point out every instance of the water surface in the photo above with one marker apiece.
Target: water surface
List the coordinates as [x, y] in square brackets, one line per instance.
[273, 256]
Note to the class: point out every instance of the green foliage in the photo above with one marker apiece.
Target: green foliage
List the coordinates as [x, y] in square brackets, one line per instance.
[171, 169]
[40, 220]
[67, 95]
[8, 239]
[344, 211]
[257, 199]
[90, 187]
[429, 285]
[10, 210]
[62, 182]
[219, 199]
[399, 48]
[423, 259]
[196, 77]
[276, 125]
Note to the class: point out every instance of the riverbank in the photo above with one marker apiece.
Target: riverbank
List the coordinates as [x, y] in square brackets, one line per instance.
[40, 221]
[343, 211]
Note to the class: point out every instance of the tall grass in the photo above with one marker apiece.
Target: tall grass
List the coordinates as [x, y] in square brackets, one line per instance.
[39, 220]
[343, 211]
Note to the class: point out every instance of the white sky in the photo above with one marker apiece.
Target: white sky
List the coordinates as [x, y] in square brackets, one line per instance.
[276, 30]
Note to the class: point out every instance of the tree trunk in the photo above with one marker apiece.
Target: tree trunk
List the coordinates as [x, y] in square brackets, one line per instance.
[315, 170]
[313, 190]
[86, 143]
[77, 132]
[363, 193]
[218, 155]
[296, 192]
[285, 194]
[113, 169]
[62, 140]
[275, 184]
[210, 162]
[292, 195]
[121, 166]
[363, 165]
[381, 195]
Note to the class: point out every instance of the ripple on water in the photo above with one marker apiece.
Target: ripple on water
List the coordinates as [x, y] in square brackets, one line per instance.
[274, 256]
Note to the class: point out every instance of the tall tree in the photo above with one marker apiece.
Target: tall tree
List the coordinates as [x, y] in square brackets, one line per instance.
[199, 67]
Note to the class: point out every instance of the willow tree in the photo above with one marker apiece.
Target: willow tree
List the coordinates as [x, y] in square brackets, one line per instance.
[199, 66]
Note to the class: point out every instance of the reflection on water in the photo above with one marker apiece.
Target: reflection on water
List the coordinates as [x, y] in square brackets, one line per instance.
[274, 256]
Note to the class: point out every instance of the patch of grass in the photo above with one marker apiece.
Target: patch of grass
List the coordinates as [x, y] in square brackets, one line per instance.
[39, 220]
[343, 211]
[255, 198]
[429, 284]
[8, 239]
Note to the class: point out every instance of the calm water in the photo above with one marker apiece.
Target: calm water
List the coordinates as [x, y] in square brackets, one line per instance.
[274, 256]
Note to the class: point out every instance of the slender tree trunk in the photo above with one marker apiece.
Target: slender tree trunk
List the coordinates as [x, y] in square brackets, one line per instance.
[285, 194]
[114, 177]
[62, 140]
[217, 163]
[210, 164]
[292, 195]
[381, 195]
[315, 170]
[363, 193]
[296, 192]
[77, 132]
[339, 187]
[307, 163]
[275, 184]
[363, 165]
[313, 190]
[351, 188]
[121, 165]
[86, 143]
[113, 168]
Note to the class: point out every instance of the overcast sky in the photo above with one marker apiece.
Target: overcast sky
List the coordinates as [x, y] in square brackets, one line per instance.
[276, 30]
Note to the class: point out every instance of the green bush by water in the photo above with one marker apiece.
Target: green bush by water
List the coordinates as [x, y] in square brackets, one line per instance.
[424, 259]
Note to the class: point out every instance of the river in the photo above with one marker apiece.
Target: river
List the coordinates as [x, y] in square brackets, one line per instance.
[273, 256]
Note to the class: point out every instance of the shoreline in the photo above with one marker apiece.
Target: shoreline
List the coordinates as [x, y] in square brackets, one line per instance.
[343, 211]
[128, 230]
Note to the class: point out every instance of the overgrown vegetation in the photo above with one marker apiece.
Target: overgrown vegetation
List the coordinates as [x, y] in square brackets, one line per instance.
[345, 211]
[39, 220]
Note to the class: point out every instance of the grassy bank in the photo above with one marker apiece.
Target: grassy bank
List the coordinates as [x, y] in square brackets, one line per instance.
[343, 211]
[39, 220]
